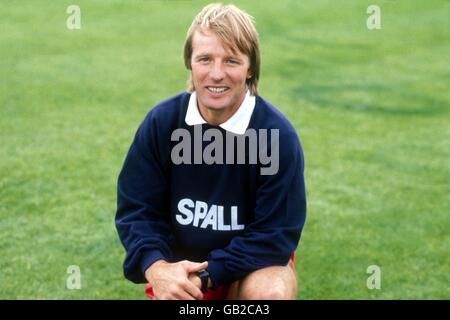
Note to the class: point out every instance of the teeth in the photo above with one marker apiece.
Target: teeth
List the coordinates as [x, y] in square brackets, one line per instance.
[216, 90]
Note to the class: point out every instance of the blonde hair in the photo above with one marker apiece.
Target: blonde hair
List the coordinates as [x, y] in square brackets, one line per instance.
[236, 31]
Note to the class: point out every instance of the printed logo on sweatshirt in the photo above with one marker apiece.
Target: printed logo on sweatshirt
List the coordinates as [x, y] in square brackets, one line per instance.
[198, 214]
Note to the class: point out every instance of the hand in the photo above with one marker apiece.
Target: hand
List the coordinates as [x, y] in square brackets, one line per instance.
[195, 279]
[175, 281]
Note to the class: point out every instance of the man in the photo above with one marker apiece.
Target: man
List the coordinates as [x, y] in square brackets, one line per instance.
[196, 222]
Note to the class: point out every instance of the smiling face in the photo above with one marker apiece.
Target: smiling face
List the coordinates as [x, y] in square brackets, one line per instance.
[219, 77]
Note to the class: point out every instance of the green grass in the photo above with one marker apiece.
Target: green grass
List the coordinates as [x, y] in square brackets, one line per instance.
[371, 108]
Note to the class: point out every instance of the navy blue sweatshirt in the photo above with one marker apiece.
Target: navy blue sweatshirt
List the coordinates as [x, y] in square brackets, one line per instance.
[231, 215]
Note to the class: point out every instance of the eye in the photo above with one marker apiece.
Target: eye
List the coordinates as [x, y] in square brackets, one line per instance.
[232, 61]
[203, 59]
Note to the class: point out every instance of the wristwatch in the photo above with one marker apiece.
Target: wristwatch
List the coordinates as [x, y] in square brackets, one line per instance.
[204, 277]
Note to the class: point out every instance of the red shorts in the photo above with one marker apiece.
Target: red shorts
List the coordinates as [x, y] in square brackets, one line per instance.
[219, 293]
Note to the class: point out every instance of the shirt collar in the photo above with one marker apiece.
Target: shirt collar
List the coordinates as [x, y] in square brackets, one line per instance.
[237, 124]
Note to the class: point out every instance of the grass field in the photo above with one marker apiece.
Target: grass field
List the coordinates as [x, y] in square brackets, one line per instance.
[370, 106]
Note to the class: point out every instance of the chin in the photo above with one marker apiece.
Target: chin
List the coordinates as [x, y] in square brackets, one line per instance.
[215, 104]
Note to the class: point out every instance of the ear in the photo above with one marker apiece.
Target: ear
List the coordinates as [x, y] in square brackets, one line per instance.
[249, 72]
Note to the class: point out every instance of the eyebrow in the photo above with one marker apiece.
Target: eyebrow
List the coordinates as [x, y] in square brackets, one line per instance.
[202, 55]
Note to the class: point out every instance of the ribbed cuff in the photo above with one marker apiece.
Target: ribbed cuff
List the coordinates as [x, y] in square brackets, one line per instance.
[150, 257]
[218, 273]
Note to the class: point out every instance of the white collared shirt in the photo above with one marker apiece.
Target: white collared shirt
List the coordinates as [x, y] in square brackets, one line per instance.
[237, 124]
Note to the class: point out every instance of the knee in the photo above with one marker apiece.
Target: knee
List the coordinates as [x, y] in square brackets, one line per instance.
[276, 292]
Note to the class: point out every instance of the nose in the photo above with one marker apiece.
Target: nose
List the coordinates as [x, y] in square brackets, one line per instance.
[217, 73]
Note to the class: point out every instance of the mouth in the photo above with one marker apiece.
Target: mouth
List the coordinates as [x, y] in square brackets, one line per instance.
[217, 90]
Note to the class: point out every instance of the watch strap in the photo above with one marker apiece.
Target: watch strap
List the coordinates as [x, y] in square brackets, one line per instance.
[204, 277]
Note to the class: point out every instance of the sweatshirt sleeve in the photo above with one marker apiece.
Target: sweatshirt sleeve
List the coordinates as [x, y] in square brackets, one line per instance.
[142, 210]
[279, 216]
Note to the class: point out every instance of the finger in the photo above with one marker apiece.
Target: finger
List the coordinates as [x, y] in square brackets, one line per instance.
[195, 267]
[182, 295]
[193, 290]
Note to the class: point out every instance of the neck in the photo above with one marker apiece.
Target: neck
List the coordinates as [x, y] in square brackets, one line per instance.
[217, 117]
